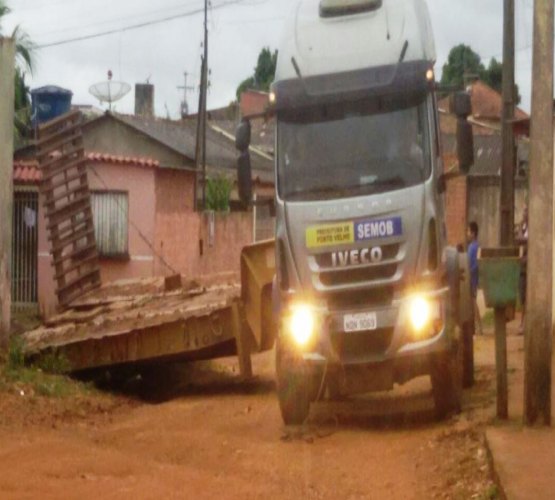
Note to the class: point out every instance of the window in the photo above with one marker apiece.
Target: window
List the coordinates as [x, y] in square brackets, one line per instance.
[348, 150]
[110, 215]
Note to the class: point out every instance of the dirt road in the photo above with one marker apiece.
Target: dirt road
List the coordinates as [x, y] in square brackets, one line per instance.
[213, 437]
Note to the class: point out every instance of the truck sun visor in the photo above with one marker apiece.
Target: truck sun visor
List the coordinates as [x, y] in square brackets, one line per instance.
[336, 8]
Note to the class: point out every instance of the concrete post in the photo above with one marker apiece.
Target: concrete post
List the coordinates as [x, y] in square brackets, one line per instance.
[538, 339]
[7, 55]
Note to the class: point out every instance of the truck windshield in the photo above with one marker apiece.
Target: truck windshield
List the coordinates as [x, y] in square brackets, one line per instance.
[328, 153]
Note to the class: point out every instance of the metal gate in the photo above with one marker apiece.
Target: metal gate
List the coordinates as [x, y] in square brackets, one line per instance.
[25, 249]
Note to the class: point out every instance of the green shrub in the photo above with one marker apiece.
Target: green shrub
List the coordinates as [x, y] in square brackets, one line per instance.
[218, 192]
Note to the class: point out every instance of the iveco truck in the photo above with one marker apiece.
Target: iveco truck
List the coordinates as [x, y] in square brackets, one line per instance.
[366, 293]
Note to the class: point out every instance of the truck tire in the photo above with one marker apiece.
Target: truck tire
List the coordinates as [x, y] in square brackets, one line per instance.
[295, 385]
[447, 384]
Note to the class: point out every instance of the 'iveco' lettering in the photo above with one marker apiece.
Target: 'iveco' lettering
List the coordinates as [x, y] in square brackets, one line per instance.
[357, 257]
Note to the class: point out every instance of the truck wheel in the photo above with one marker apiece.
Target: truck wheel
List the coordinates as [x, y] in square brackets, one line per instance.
[295, 385]
[447, 383]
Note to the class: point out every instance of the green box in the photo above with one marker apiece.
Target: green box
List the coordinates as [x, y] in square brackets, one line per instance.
[499, 278]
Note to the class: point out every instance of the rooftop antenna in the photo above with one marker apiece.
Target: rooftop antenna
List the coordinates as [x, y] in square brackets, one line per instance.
[109, 91]
[184, 103]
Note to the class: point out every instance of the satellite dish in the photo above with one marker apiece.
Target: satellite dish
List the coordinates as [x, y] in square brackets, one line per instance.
[109, 91]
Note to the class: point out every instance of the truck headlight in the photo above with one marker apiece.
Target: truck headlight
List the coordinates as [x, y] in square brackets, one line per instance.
[425, 317]
[302, 323]
[420, 313]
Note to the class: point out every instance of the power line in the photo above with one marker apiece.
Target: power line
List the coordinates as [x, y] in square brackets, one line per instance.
[135, 26]
[99, 24]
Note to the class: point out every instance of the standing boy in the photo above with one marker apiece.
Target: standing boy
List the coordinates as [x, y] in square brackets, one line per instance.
[472, 236]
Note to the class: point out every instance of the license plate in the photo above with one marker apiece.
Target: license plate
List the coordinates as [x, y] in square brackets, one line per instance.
[360, 322]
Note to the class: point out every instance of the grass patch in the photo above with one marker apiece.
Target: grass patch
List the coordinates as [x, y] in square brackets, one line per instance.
[45, 377]
[492, 493]
[488, 319]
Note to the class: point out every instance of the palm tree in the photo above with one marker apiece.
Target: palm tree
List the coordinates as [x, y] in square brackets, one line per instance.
[24, 49]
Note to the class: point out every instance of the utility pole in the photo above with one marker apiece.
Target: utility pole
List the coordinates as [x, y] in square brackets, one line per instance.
[507, 197]
[507, 201]
[204, 104]
[538, 337]
[198, 145]
[7, 64]
[200, 150]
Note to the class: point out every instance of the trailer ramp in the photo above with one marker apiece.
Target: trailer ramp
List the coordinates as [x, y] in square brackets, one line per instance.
[155, 320]
[141, 322]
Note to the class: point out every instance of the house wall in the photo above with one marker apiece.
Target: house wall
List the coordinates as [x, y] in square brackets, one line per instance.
[113, 137]
[45, 271]
[222, 252]
[177, 226]
[455, 210]
[139, 183]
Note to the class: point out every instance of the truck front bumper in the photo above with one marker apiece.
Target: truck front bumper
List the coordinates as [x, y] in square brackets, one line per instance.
[391, 341]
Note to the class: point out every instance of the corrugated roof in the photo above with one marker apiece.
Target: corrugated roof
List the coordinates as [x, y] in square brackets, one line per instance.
[487, 153]
[180, 136]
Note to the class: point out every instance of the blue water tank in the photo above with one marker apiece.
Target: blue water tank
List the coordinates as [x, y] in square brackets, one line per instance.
[49, 102]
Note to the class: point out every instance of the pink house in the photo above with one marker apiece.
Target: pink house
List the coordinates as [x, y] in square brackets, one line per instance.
[142, 181]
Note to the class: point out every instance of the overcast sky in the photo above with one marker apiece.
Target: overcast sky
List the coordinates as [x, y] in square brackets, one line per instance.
[163, 52]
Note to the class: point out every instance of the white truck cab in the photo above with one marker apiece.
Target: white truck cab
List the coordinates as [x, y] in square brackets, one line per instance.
[364, 292]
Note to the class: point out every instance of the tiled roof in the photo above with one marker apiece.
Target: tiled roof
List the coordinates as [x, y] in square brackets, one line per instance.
[28, 171]
[122, 160]
[487, 103]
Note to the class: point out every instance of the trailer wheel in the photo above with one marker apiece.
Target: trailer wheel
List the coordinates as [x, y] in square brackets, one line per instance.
[447, 381]
[295, 385]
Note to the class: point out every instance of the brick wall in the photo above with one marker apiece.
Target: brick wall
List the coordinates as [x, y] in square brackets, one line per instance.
[184, 240]
[456, 199]
[187, 243]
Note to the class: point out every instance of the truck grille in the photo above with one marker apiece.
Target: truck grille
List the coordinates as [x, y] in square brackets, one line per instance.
[329, 278]
[363, 299]
[351, 346]
[358, 275]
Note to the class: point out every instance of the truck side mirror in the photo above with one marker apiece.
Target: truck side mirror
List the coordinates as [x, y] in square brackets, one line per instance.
[243, 136]
[244, 178]
[461, 105]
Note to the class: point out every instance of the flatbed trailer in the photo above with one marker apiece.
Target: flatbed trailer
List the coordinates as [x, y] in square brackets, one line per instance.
[144, 322]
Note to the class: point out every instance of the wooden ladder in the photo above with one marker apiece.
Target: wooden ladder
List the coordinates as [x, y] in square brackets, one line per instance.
[67, 204]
